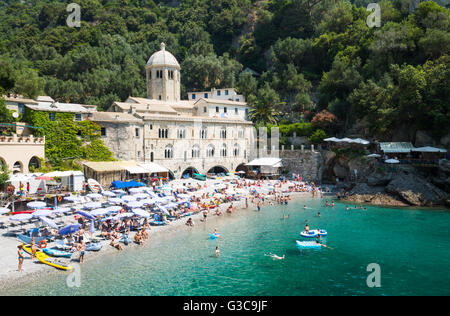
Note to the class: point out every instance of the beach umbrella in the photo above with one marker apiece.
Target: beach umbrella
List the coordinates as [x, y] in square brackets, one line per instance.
[114, 209]
[61, 210]
[373, 156]
[134, 204]
[87, 215]
[119, 191]
[428, 149]
[92, 205]
[136, 190]
[162, 208]
[69, 229]
[4, 210]
[392, 161]
[115, 200]
[123, 215]
[42, 213]
[128, 198]
[141, 195]
[107, 219]
[99, 212]
[72, 198]
[108, 193]
[36, 204]
[184, 196]
[20, 217]
[48, 222]
[148, 201]
[95, 196]
[140, 212]
[171, 205]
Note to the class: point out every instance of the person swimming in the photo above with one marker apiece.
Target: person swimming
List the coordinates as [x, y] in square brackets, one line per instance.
[318, 214]
[275, 257]
[217, 251]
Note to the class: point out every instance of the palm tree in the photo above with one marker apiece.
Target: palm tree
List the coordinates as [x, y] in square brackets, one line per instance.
[264, 108]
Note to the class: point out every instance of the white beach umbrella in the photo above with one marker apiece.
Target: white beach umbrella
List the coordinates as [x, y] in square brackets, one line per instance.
[42, 213]
[20, 217]
[36, 204]
[128, 198]
[373, 156]
[72, 198]
[92, 205]
[392, 161]
[140, 212]
[60, 210]
[135, 204]
[136, 190]
[4, 210]
[48, 222]
[119, 191]
[99, 212]
[123, 215]
[116, 200]
[113, 209]
[94, 196]
[108, 193]
[148, 201]
[428, 149]
[141, 195]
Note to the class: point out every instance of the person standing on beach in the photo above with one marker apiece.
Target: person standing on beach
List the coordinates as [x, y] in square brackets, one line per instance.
[33, 248]
[217, 252]
[21, 257]
[259, 206]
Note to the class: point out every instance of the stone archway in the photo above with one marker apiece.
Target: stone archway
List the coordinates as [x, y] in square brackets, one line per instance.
[218, 169]
[241, 169]
[35, 163]
[17, 167]
[189, 172]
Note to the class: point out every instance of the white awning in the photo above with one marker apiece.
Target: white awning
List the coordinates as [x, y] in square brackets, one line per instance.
[152, 167]
[64, 173]
[429, 149]
[136, 169]
[271, 162]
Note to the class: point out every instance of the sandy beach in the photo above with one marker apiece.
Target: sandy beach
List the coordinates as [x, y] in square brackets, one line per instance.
[10, 277]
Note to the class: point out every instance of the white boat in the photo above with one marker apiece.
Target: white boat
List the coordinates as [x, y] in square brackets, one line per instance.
[94, 186]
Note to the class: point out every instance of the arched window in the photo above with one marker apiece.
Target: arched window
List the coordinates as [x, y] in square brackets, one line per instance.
[236, 150]
[168, 152]
[163, 133]
[204, 133]
[210, 151]
[181, 133]
[223, 150]
[34, 163]
[223, 133]
[196, 151]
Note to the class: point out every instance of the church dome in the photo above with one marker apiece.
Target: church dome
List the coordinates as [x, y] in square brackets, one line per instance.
[163, 58]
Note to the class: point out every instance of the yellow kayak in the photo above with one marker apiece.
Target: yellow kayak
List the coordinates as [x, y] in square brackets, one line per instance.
[42, 257]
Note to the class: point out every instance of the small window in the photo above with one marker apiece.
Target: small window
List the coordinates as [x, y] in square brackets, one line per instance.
[103, 131]
[137, 132]
[151, 126]
[51, 116]
[205, 109]
[206, 95]
[139, 154]
[217, 109]
[226, 92]
[225, 110]
[160, 97]
[77, 117]
[236, 111]
[218, 93]
[193, 97]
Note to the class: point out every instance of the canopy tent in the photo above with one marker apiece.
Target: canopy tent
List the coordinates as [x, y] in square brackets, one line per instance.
[154, 168]
[130, 184]
[269, 162]
[396, 147]
[136, 170]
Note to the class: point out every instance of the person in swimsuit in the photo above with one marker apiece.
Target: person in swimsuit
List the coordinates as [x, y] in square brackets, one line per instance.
[33, 248]
[217, 252]
[275, 257]
[307, 228]
[82, 252]
[21, 257]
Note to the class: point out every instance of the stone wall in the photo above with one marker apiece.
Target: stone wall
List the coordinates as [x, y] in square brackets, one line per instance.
[309, 164]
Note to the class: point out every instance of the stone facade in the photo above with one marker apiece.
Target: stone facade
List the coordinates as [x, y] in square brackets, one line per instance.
[201, 136]
[20, 152]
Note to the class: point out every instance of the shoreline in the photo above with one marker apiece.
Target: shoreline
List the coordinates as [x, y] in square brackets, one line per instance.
[10, 277]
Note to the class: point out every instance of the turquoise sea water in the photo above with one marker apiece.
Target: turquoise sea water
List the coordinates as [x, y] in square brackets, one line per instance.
[412, 248]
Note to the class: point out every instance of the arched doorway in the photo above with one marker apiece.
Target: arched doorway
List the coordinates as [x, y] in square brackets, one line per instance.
[171, 175]
[34, 164]
[189, 172]
[17, 167]
[241, 170]
[218, 170]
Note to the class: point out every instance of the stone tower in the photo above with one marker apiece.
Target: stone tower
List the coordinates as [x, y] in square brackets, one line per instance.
[163, 76]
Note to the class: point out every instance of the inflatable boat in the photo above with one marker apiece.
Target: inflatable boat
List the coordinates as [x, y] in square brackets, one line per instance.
[308, 244]
[314, 233]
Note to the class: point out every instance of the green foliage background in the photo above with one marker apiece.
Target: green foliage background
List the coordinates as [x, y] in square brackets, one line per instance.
[311, 55]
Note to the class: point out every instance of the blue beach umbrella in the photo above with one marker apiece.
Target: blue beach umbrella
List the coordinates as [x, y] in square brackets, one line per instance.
[49, 222]
[87, 215]
[69, 229]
